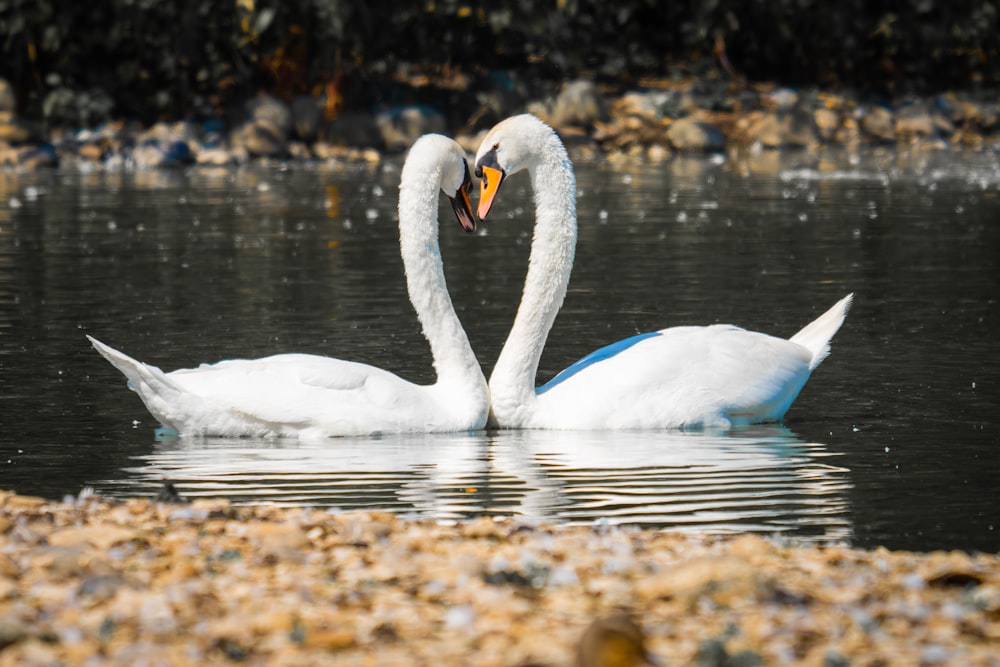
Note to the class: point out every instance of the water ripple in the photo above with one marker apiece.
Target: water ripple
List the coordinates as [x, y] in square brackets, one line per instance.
[762, 480]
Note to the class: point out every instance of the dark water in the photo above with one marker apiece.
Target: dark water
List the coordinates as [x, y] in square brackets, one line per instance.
[893, 442]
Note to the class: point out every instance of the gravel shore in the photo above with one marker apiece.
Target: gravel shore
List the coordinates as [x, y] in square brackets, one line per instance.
[87, 581]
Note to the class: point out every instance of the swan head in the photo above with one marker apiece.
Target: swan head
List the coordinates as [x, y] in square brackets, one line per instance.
[512, 145]
[458, 172]
[436, 152]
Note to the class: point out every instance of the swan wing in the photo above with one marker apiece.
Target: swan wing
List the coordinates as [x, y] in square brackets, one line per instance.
[302, 392]
[304, 369]
[285, 395]
[677, 377]
[756, 377]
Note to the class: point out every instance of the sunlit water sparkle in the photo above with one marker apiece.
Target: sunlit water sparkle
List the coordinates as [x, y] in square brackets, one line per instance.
[893, 441]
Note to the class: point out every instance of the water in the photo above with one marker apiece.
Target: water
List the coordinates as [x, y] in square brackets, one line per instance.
[893, 441]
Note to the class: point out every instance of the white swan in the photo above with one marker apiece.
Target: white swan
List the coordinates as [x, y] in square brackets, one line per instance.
[673, 378]
[309, 397]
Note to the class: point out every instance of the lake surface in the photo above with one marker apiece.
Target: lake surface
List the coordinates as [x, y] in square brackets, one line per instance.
[894, 440]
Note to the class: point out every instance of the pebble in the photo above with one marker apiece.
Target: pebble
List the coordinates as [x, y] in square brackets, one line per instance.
[692, 135]
[878, 123]
[579, 104]
[90, 581]
[784, 129]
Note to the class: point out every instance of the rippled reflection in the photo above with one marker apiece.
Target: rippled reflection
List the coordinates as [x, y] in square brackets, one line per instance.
[762, 479]
[187, 266]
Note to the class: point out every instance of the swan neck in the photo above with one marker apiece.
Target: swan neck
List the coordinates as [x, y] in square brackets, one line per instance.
[454, 360]
[512, 383]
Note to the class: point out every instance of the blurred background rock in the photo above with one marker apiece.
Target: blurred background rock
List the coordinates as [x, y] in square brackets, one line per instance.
[279, 79]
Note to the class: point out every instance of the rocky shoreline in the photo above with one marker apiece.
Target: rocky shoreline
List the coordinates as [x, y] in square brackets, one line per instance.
[655, 120]
[88, 581]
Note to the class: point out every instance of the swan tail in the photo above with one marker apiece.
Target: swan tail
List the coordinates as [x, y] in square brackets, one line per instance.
[142, 378]
[816, 335]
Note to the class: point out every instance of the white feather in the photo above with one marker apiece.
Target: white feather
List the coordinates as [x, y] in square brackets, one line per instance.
[679, 377]
[307, 396]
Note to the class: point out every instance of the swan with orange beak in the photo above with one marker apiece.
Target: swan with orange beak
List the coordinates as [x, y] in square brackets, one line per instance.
[679, 377]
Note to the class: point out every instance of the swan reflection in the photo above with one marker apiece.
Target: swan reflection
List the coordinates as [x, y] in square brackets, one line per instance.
[759, 479]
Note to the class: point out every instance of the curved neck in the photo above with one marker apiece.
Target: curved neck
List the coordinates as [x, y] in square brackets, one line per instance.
[454, 360]
[512, 384]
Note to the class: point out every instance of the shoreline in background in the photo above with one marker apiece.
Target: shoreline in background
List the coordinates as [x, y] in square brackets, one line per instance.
[661, 119]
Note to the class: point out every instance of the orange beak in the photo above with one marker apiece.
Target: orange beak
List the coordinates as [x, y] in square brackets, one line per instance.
[492, 177]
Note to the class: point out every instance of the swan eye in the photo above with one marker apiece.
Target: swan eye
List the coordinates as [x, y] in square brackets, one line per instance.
[487, 169]
[490, 158]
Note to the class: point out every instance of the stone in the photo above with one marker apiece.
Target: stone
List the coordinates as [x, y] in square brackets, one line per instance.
[793, 129]
[90, 152]
[261, 138]
[695, 136]
[401, 126]
[639, 103]
[166, 145]
[208, 582]
[579, 104]
[215, 157]
[724, 580]
[827, 123]
[299, 151]
[166, 133]
[800, 128]
[149, 155]
[917, 121]
[781, 99]
[878, 123]
[273, 111]
[613, 640]
[849, 133]
[657, 153]
[100, 535]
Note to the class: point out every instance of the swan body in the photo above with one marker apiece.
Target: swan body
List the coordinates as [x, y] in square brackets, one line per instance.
[307, 396]
[680, 377]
